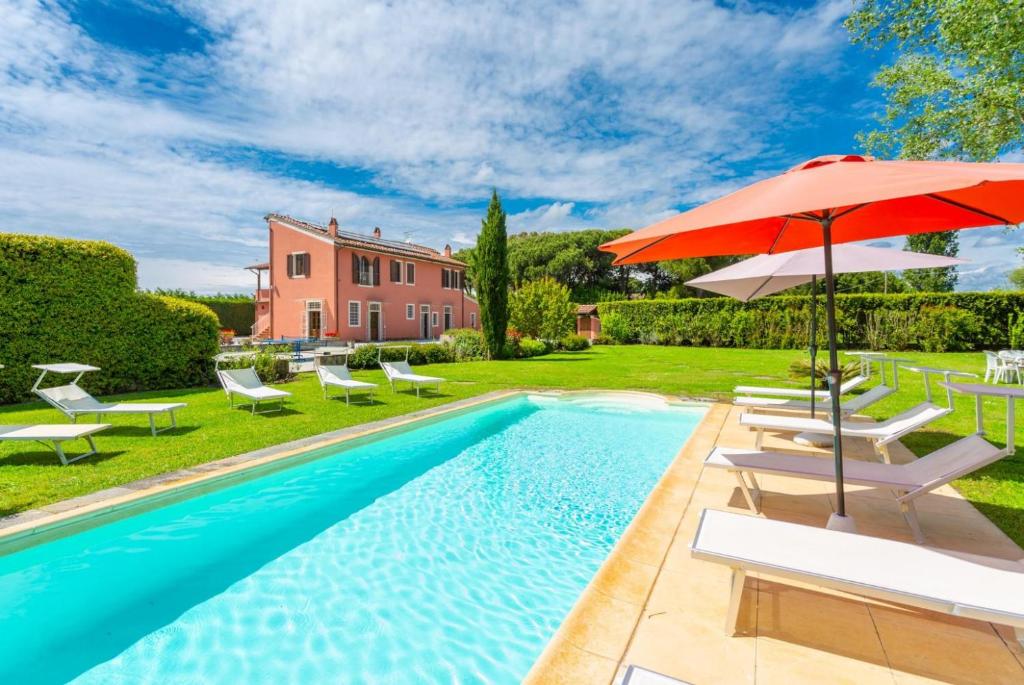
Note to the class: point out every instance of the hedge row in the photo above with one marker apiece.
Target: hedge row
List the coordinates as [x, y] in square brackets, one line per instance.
[934, 322]
[70, 300]
[238, 315]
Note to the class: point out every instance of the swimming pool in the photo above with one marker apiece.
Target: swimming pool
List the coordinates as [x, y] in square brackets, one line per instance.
[445, 552]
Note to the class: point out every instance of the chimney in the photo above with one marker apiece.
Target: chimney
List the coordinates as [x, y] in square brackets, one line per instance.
[376, 231]
[447, 250]
[332, 228]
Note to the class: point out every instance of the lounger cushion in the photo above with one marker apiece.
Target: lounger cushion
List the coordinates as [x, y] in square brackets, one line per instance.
[56, 431]
[901, 424]
[850, 406]
[339, 376]
[401, 371]
[74, 400]
[970, 586]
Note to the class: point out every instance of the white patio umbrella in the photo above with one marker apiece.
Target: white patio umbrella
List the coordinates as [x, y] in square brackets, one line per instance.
[767, 274]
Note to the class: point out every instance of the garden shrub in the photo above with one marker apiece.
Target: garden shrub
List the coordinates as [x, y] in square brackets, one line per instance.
[913, 321]
[602, 339]
[574, 343]
[1016, 331]
[75, 300]
[531, 347]
[269, 366]
[542, 309]
[467, 343]
[365, 356]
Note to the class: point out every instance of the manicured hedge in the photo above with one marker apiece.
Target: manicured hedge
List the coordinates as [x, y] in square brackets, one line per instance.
[72, 300]
[921, 321]
[237, 314]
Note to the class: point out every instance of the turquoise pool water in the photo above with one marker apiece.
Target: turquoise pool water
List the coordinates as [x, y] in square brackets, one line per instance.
[446, 553]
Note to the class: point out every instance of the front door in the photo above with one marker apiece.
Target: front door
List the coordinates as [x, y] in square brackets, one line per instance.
[314, 310]
[425, 322]
[374, 320]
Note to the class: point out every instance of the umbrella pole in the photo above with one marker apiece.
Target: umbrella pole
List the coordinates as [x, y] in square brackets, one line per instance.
[814, 340]
[839, 520]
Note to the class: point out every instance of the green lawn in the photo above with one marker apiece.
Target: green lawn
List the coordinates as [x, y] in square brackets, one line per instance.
[31, 476]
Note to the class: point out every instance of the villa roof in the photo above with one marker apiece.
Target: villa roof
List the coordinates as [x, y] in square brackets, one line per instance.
[367, 242]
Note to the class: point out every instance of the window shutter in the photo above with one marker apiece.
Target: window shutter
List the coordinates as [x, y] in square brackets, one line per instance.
[291, 265]
[457, 276]
[444, 278]
[410, 272]
[395, 269]
[305, 264]
[376, 270]
[355, 268]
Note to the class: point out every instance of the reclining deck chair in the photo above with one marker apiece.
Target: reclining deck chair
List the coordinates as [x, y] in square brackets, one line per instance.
[401, 371]
[73, 401]
[246, 383]
[338, 376]
[54, 435]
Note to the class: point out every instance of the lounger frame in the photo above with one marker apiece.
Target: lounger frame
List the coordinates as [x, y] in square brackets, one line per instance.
[742, 566]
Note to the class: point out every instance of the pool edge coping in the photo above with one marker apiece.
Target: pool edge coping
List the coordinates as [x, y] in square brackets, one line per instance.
[581, 650]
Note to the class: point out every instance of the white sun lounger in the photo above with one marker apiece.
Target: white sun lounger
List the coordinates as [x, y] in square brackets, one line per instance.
[880, 434]
[54, 435]
[850, 406]
[73, 401]
[800, 393]
[968, 586]
[247, 384]
[338, 376]
[401, 371]
[907, 482]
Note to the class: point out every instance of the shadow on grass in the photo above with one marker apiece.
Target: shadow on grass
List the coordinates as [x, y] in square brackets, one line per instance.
[144, 432]
[47, 457]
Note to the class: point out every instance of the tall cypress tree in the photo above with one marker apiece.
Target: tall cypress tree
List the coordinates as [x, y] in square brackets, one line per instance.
[492, 277]
[933, 280]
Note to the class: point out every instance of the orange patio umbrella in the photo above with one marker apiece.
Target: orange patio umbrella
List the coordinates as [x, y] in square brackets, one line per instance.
[835, 199]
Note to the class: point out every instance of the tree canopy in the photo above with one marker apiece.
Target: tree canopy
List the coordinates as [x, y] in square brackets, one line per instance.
[956, 88]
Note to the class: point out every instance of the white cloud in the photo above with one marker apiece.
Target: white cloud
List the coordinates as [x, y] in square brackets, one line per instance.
[632, 108]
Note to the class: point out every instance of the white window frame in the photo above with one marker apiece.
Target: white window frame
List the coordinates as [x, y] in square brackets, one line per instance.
[369, 271]
[450, 315]
[401, 272]
[293, 254]
[434, 323]
[472, 319]
[410, 312]
[358, 312]
[379, 308]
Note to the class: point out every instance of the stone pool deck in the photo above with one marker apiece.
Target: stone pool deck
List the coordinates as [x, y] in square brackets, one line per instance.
[653, 606]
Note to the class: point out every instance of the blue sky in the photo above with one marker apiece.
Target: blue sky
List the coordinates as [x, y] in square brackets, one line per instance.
[172, 128]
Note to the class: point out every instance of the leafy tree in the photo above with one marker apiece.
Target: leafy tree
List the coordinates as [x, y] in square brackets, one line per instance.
[491, 277]
[933, 280]
[1016, 278]
[682, 270]
[571, 258]
[542, 309]
[956, 89]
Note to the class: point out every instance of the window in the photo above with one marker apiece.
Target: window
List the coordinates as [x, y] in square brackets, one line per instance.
[433, 319]
[365, 272]
[446, 278]
[410, 311]
[353, 313]
[447, 316]
[410, 273]
[472, 319]
[396, 271]
[298, 265]
[456, 280]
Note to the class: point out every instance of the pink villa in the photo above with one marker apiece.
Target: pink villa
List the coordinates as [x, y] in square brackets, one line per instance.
[324, 283]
